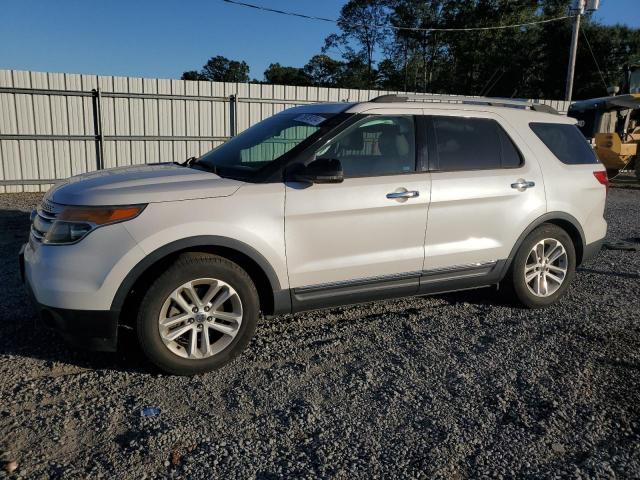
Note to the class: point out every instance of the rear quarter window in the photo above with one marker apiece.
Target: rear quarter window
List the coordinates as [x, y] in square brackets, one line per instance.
[565, 142]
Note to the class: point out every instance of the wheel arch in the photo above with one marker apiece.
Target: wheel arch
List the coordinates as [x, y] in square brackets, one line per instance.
[563, 220]
[273, 299]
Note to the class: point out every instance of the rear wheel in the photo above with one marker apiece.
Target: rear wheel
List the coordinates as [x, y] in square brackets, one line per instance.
[198, 315]
[637, 162]
[544, 267]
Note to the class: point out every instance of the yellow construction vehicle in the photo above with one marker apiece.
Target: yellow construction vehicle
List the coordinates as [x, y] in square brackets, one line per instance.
[612, 124]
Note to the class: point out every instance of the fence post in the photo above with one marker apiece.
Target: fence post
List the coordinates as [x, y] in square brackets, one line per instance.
[97, 127]
[233, 115]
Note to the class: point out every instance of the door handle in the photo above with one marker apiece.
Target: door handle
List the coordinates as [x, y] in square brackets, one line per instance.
[404, 194]
[522, 184]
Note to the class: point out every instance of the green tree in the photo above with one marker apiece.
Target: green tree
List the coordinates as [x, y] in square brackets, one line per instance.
[324, 71]
[415, 54]
[613, 47]
[281, 75]
[361, 34]
[221, 69]
[356, 73]
[526, 62]
[517, 62]
[486, 62]
[389, 75]
[192, 75]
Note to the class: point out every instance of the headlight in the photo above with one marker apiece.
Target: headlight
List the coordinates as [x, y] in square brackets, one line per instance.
[74, 223]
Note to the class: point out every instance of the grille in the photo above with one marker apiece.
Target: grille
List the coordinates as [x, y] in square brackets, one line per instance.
[48, 205]
[43, 217]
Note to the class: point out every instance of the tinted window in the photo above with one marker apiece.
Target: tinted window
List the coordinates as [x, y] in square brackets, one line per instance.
[473, 144]
[377, 145]
[565, 142]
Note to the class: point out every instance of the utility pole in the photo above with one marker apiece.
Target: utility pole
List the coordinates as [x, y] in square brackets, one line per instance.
[578, 9]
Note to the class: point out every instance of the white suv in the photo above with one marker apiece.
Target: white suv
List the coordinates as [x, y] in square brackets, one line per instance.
[317, 206]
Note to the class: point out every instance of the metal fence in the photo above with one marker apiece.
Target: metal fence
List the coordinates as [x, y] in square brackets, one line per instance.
[54, 125]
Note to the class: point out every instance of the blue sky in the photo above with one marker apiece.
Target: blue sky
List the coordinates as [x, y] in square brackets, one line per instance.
[162, 38]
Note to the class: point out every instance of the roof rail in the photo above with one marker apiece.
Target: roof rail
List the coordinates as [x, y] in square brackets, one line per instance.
[493, 102]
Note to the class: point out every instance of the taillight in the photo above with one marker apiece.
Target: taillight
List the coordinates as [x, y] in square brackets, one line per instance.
[601, 176]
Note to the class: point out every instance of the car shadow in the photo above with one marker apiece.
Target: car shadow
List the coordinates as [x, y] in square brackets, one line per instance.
[609, 273]
[21, 332]
[485, 296]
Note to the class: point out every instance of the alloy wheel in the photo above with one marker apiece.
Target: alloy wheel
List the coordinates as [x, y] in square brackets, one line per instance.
[200, 318]
[546, 267]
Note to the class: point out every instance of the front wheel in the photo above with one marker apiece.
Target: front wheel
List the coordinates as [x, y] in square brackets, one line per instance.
[198, 315]
[544, 267]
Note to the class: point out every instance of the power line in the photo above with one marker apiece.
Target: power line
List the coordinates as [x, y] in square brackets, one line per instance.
[595, 60]
[394, 27]
[281, 12]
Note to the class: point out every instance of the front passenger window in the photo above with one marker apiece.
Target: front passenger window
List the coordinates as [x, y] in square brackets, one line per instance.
[377, 145]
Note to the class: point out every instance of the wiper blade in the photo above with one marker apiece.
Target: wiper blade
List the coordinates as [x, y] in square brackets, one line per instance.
[188, 162]
[203, 166]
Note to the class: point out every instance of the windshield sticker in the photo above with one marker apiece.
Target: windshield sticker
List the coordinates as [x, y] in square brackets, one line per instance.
[310, 119]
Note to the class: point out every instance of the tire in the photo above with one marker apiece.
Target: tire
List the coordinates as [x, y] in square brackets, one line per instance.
[637, 162]
[229, 317]
[525, 259]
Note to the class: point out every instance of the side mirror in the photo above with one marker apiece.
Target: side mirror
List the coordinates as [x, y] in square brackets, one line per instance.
[322, 170]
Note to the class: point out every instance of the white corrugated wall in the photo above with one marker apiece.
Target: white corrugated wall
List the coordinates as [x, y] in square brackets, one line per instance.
[45, 136]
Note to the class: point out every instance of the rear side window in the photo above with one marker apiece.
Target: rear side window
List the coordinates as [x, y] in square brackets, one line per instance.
[473, 144]
[565, 142]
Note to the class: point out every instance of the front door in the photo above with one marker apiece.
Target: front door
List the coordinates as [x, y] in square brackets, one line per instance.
[364, 237]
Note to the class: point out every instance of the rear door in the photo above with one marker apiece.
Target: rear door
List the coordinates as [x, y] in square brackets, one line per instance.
[486, 189]
[362, 238]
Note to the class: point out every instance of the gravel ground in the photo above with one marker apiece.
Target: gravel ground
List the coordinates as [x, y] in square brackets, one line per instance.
[451, 386]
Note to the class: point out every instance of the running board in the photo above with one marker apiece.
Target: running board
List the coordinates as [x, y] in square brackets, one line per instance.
[460, 277]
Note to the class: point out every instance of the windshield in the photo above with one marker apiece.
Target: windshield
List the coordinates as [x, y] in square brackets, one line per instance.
[261, 144]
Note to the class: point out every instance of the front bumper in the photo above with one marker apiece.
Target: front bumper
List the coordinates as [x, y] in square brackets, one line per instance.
[88, 329]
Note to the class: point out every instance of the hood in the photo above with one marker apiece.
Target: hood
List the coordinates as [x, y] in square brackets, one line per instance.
[141, 184]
